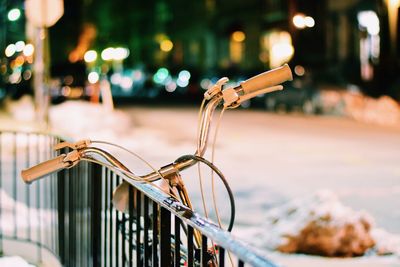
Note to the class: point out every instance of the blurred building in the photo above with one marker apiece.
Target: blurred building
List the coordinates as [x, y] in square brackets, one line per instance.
[333, 41]
[336, 41]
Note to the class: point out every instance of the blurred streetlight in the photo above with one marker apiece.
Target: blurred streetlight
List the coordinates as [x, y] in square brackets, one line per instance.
[90, 56]
[93, 77]
[120, 53]
[19, 46]
[111, 53]
[309, 21]
[238, 36]
[107, 54]
[301, 21]
[10, 50]
[28, 50]
[166, 45]
[14, 14]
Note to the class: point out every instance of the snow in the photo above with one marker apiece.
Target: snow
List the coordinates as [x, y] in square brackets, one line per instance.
[21, 110]
[14, 261]
[386, 243]
[38, 218]
[81, 120]
[355, 105]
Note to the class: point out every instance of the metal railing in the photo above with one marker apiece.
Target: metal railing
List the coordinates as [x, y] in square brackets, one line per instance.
[70, 216]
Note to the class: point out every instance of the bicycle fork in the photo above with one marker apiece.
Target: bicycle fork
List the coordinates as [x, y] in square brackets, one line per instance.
[175, 180]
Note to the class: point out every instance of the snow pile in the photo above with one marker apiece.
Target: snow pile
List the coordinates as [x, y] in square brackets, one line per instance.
[352, 103]
[14, 261]
[15, 215]
[22, 109]
[384, 110]
[386, 243]
[77, 118]
[320, 225]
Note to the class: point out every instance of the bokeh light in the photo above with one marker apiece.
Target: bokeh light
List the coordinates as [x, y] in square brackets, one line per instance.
[90, 56]
[309, 21]
[14, 14]
[238, 36]
[28, 50]
[120, 53]
[299, 70]
[299, 22]
[19, 46]
[166, 45]
[161, 75]
[93, 77]
[107, 54]
[10, 50]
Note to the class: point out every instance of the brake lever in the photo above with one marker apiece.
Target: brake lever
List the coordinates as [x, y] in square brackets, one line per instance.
[248, 96]
[75, 146]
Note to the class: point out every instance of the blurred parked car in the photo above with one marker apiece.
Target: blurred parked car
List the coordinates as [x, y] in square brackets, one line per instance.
[297, 95]
[68, 82]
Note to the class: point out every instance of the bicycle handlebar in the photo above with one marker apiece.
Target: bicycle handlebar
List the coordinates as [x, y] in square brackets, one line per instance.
[262, 83]
[45, 168]
[267, 79]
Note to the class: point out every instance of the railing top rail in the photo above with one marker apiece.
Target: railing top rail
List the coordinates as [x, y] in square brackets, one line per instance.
[223, 238]
[44, 133]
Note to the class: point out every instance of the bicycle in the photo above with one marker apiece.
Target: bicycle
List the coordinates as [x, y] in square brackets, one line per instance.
[87, 150]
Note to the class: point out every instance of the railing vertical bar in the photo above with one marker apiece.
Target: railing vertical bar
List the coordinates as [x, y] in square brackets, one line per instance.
[130, 227]
[117, 226]
[56, 205]
[52, 200]
[47, 195]
[38, 194]
[81, 182]
[96, 214]
[76, 195]
[61, 214]
[221, 256]
[155, 234]
[165, 237]
[50, 196]
[71, 216]
[105, 258]
[118, 233]
[204, 255]
[190, 246]
[14, 184]
[68, 218]
[85, 213]
[77, 189]
[177, 241]
[27, 192]
[123, 249]
[89, 213]
[139, 251]
[1, 195]
[110, 213]
[146, 230]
